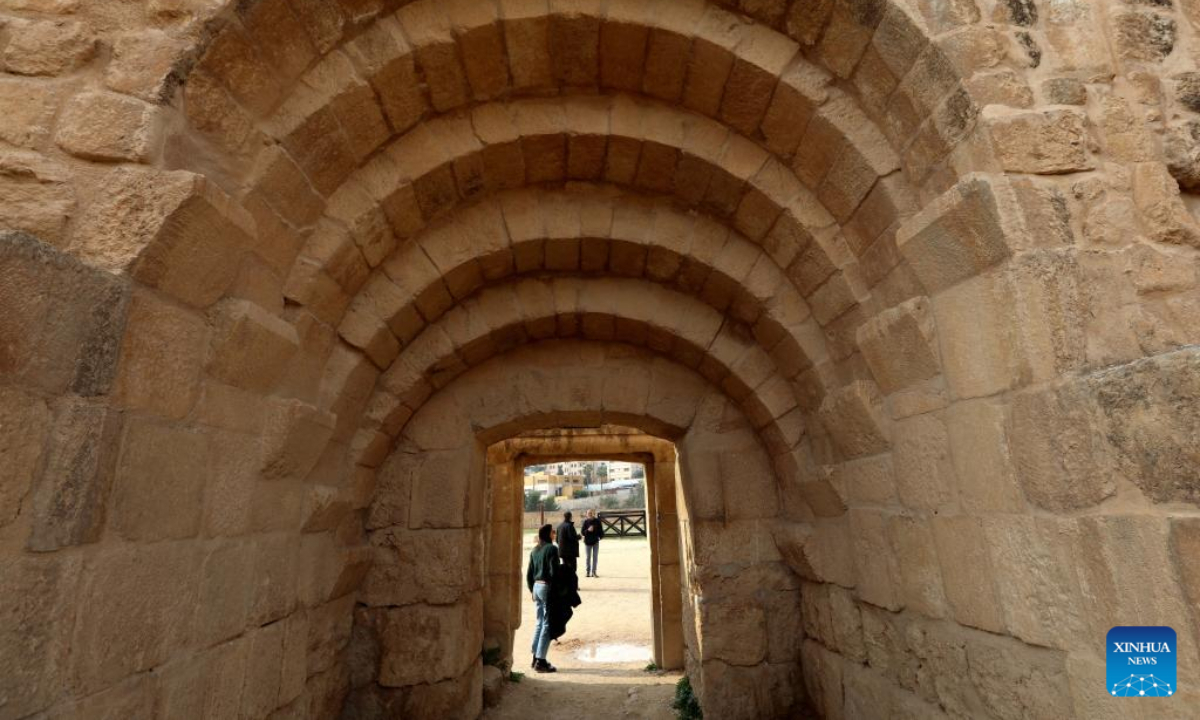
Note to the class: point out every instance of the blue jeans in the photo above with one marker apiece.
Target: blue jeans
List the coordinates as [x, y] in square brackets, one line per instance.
[593, 558]
[541, 630]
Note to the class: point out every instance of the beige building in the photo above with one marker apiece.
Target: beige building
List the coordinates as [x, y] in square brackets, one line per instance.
[897, 301]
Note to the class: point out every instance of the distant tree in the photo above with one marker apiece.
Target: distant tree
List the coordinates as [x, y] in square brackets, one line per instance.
[609, 502]
[603, 471]
[551, 503]
[531, 501]
[636, 499]
[588, 478]
[638, 472]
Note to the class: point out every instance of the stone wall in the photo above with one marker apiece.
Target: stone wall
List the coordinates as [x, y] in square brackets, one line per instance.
[931, 267]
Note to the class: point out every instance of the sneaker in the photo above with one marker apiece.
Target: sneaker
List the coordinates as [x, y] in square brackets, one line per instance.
[543, 666]
[533, 664]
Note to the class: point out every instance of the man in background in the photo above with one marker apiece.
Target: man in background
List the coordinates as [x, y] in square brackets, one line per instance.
[568, 542]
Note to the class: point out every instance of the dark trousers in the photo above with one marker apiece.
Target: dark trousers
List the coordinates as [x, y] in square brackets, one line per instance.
[571, 562]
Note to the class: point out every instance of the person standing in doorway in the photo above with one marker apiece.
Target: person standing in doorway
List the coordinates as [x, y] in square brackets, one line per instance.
[568, 542]
[593, 533]
[543, 566]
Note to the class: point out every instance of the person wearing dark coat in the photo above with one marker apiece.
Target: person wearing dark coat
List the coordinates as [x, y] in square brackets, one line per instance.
[564, 597]
[593, 533]
[540, 578]
[568, 541]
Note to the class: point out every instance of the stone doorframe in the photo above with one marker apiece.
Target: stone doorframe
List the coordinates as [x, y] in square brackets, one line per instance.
[507, 461]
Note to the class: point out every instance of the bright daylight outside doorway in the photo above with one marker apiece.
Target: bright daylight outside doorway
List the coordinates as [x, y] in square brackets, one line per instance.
[606, 660]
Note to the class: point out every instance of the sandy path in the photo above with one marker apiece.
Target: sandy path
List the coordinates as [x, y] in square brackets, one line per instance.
[601, 659]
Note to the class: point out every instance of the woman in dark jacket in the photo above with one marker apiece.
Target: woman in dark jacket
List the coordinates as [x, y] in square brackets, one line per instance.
[543, 567]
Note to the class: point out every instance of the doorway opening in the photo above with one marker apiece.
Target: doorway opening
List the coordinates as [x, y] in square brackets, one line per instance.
[623, 649]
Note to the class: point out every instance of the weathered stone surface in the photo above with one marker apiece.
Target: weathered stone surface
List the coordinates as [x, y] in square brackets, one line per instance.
[983, 463]
[143, 63]
[874, 559]
[1156, 196]
[107, 126]
[35, 195]
[161, 357]
[134, 611]
[50, 47]
[61, 322]
[25, 422]
[735, 632]
[430, 565]
[925, 477]
[854, 418]
[1046, 143]
[969, 580]
[35, 626]
[970, 228]
[251, 347]
[1059, 449]
[70, 500]
[174, 231]
[159, 482]
[900, 346]
[1152, 408]
[293, 437]
[428, 643]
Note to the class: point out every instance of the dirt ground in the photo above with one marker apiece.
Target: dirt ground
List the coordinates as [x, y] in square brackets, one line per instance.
[601, 660]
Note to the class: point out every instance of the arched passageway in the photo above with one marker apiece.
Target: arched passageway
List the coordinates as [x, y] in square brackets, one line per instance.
[910, 288]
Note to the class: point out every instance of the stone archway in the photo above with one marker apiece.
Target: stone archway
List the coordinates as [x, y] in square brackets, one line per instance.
[443, 447]
[250, 244]
[507, 461]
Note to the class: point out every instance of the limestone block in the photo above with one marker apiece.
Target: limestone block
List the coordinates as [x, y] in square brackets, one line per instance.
[25, 422]
[900, 346]
[251, 347]
[135, 610]
[1156, 196]
[159, 484]
[142, 63]
[1035, 580]
[35, 195]
[69, 502]
[866, 481]
[1152, 421]
[428, 643]
[50, 47]
[107, 126]
[329, 631]
[1144, 36]
[446, 490]
[275, 570]
[734, 631]
[1014, 679]
[431, 565]
[980, 349]
[966, 230]
[966, 572]
[1058, 448]
[161, 358]
[917, 561]
[823, 673]
[853, 417]
[174, 231]
[925, 477]
[226, 586]
[62, 321]
[983, 462]
[1185, 543]
[1048, 142]
[874, 559]
[264, 668]
[35, 630]
[293, 438]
